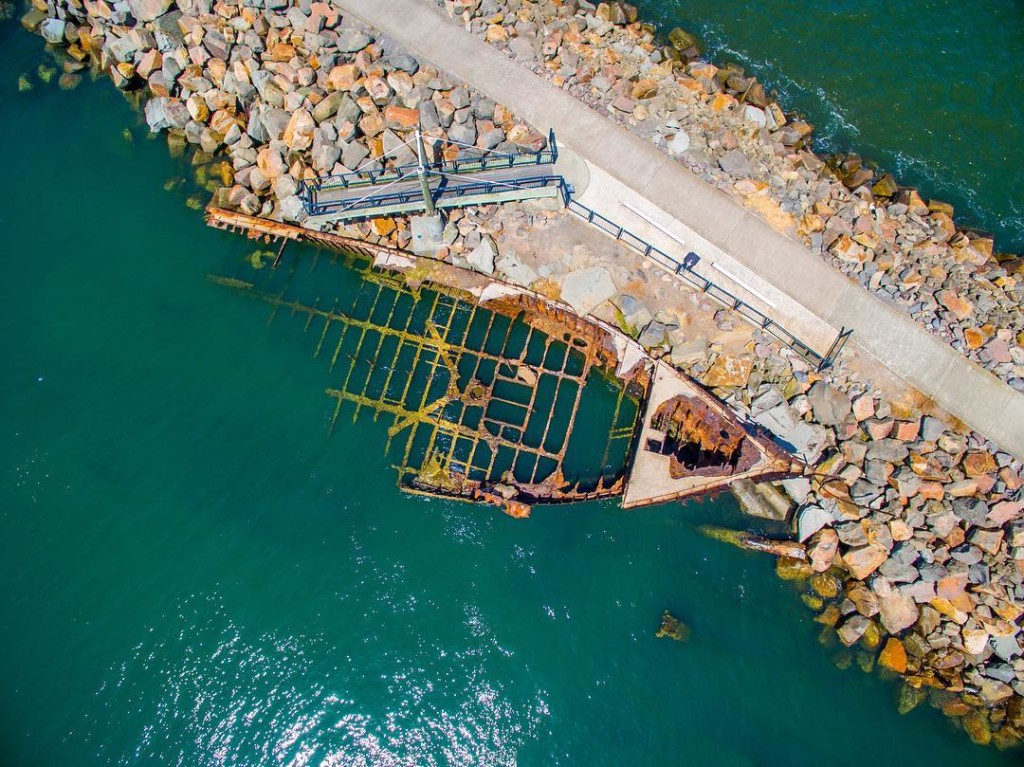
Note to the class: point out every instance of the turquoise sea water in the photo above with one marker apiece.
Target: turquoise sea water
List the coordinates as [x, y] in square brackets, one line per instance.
[931, 90]
[194, 573]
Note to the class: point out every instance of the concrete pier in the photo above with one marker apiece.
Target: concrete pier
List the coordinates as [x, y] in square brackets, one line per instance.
[778, 274]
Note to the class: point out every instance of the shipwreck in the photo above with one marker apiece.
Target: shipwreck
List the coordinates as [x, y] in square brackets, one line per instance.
[493, 393]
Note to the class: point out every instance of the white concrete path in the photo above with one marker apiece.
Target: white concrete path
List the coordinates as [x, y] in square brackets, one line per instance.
[811, 299]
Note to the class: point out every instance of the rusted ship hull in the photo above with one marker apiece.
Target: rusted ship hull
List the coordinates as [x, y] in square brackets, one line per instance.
[504, 374]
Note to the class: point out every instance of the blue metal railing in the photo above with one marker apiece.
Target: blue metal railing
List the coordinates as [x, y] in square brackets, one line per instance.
[703, 284]
[488, 161]
[447, 191]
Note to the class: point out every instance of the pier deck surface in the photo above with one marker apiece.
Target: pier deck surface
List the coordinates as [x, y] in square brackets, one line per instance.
[806, 294]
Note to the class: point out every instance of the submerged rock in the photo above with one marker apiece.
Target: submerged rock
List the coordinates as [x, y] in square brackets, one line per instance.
[673, 628]
[909, 698]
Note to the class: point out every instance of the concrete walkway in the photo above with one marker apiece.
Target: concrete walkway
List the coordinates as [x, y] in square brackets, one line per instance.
[806, 294]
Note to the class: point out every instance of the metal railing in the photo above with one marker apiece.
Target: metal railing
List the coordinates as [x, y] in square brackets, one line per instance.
[684, 269]
[446, 192]
[486, 161]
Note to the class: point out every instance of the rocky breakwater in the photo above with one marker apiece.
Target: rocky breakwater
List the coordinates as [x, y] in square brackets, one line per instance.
[913, 534]
[265, 95]
[727, 128]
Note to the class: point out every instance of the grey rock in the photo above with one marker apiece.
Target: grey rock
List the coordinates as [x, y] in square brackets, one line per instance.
[464, 133]
[652, 335]
[888, 450]
[689, 352]
[328, 107]
[1000, 671]
[52, 30]
[353, 154]
[852, 534]
[971, 510]
[285, 186]
[585, 289]
[735, 163]
[831, 406]
[428, 116]
[932, 572]
[522, 48]
[481, 258]
[292, 209]
[1015, 534]
[898, 572]
[863, 492]
[634, 312]
[967, 554]
[921, 591]
[274, 122]
[515, 270]
[348, 111]
[396, 149]
[679, 143]
[350, 41]
[324, 157]
[807, 440]
[1006, 647]
[767, 400]
[931, 428]
[149, 10]
[810, 520]
[163, 113]
[797, 488]
[404, 62]
[979, 574]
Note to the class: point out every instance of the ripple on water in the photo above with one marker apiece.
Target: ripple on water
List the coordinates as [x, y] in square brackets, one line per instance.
[228, 697]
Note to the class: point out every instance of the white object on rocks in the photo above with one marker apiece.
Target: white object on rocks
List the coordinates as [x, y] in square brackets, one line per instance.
[755, 115]
[680, 143]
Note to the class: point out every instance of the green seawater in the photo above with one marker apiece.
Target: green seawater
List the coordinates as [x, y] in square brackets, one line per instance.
[195, 573]
[931, 90]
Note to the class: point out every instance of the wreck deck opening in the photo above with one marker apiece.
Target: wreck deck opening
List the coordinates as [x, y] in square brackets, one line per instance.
[477, 396]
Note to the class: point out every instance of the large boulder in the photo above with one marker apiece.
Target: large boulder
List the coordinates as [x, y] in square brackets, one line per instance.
[863, 561]
[52, 30]
[351, 41]
[149, 10]
[482, 256]
[735, 163]
[897, 611]
[729, 370]
[805, 439]
[830, 405]
[810, 520]
[585, 289]
[163, 112]
[298, 134]
[327, 108]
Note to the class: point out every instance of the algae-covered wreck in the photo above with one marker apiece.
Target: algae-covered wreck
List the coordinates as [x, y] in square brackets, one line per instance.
[495, 393]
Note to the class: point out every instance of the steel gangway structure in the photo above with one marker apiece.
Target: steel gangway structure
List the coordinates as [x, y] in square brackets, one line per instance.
[475, 177]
